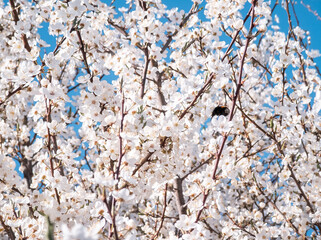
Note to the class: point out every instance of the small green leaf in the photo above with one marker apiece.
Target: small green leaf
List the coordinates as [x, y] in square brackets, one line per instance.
[50, 233]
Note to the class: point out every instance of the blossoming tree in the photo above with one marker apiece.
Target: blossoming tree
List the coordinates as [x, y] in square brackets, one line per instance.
[112, 135]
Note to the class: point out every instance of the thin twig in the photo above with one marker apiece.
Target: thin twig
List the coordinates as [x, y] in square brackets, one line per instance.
[122, 30]
[142, 162]
[239, 226]
[12, 93]
[236, 34]
[200, 92]
[110, 204]
[145, 72]
[121, 154]
[163, 213]
[199, 166]
[16, 19]
[192, 11]
[84, 55]
[55, 51]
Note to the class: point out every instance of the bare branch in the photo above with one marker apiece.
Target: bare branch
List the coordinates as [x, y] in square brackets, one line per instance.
[145, 72]
[180, 201]
[163, 213]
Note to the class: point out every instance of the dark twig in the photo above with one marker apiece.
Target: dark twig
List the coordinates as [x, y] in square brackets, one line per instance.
[161, 96]
[180, 201]
[16, 19]
[296, 17]
[51, 159]
[297, 182]
[199, 166]
[238, 87]
[163, 213]
[145, 72]
[239, 226]
[8, 229]
[200, 92]
[12, 93]
[121, 153]
[236, 34]
[84, 55]
[192, 11]
[110, 206]
[142, 162]
[122, 30]
[59, 45]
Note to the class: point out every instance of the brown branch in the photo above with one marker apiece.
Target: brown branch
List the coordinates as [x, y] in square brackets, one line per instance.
[8, 229]
[142, 4]
[239, 226]
[237, 33]
[55, 51]
[180, 201]
[163, 213]
[110, 205]
[84, 55]
[289, 19]
[12, 93]
[147, 60]
[218, 157]
[200, 92]
[159, 85]
[295, 15]
[238, 88]
[158, 82]
[297, 182]
[142, 162]
[205, 195]
[51, 158]
[199, 166]
[264, 67]
[192, 11]
[122, 30]
[121, 154]
[16, 19]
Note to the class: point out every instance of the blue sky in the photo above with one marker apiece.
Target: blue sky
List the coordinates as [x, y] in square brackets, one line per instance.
[307, 20]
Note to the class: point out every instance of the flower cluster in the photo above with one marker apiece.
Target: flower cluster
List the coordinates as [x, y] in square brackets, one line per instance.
[107, 133]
